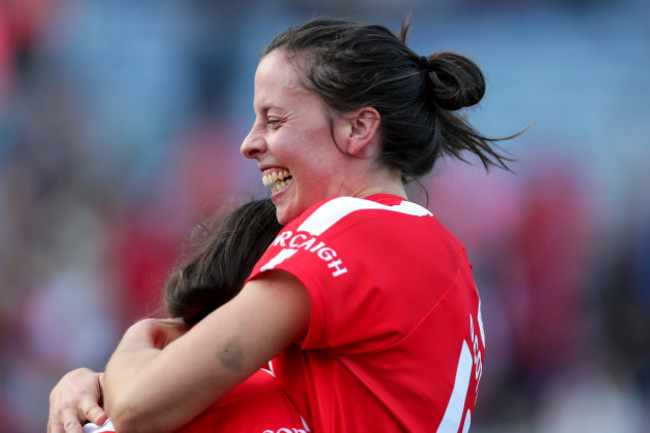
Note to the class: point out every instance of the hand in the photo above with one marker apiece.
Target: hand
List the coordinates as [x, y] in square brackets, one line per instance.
[75, 400]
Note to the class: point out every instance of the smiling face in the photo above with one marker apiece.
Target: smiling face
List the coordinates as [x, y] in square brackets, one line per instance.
[293, 141]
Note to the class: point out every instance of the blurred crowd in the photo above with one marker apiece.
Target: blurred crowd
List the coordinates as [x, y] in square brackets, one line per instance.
[120, 124]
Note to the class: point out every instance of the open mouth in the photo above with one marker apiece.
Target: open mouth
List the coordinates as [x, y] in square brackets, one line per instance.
[277, 180]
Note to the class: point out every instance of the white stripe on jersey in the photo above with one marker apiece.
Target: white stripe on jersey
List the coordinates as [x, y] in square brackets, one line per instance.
[454, 414]
[281, 257]
[334, 210]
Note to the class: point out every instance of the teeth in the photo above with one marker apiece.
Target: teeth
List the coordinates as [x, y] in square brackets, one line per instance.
[277, 180]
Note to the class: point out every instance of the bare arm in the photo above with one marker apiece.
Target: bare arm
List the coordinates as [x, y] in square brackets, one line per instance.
[170, 386]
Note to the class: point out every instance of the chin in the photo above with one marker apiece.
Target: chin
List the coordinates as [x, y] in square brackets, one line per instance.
[285, 215]
[281, 216]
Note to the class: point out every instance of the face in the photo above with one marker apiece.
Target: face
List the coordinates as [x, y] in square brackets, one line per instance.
[292, 140]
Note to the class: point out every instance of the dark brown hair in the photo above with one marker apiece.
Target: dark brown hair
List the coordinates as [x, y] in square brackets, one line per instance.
[222, 254]
[352, 65]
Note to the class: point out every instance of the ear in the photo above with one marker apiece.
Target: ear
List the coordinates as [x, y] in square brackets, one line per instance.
[361, 130]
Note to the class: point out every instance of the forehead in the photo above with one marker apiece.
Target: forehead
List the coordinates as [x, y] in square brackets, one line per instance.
[277, 76]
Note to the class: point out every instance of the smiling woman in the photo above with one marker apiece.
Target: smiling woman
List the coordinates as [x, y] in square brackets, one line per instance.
[364, 304]
[325, 155]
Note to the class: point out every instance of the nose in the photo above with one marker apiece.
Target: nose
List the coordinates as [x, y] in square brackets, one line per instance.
[252, 145]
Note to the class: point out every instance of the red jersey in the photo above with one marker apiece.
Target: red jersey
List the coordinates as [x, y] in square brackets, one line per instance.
[395, 339]
[257, 405]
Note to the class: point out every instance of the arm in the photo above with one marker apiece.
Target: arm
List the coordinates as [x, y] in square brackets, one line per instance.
[169, 386]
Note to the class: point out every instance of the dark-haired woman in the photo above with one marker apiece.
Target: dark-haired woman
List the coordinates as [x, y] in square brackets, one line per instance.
[222, 253]
[364, 301]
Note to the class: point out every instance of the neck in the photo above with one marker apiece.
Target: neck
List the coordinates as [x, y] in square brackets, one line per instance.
[380, 183]
[363, 177]
[397, 190]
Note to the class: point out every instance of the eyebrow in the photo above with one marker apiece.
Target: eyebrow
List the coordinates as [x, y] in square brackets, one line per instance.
[266, 108]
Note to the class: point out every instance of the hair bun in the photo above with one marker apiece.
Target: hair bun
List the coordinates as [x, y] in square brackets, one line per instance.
[454, 80]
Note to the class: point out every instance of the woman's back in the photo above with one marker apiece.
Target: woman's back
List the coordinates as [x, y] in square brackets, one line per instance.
[394, 332]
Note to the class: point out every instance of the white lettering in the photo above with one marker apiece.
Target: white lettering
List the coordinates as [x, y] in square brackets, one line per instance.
[307, 245]
[326, 254]
[281, 238]
[479, 318]
[317, 247]
[478, 362]
[337, 265]
[293, 243]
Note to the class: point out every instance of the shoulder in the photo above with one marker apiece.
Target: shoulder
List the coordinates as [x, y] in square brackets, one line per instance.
[322, 216]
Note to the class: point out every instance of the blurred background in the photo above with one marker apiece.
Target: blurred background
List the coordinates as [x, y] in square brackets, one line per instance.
[120, 123]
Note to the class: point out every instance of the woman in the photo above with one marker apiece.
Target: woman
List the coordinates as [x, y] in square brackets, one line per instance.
[365, 303]
[222, 253]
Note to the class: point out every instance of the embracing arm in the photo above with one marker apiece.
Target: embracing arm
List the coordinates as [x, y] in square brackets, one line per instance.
[147, 388]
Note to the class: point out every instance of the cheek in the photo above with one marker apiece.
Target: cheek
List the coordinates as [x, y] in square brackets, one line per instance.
[309, 152]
